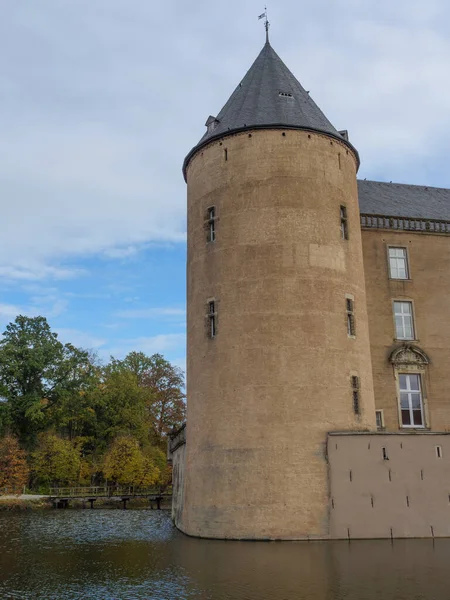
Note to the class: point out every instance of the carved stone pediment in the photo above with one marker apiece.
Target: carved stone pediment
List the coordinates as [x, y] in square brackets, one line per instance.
[409, 355]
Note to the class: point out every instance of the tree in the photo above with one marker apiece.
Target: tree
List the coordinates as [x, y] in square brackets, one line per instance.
[14, 470]
[37, 373]
[5, 417]
[162, 388]
[56, 461]
[137, 363]
[75, 417]
[165, 404]
[126, 464]
[119, 406]
[159, 458]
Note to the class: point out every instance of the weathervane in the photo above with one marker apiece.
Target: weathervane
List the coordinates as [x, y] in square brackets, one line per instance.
[266, 23]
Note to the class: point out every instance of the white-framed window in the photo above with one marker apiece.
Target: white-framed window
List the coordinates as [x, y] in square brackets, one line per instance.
[411, 402]
[398, 263]
[379, 415]
[404, 321]
[211, 216]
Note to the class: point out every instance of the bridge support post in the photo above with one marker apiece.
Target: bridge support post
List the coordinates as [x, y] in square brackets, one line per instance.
[125, 500]
[91, 501]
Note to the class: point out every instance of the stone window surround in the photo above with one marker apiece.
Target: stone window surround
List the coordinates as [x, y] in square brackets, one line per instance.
[411, 360]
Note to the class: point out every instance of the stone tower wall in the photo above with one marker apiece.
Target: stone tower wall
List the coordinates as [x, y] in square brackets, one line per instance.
[263, 393]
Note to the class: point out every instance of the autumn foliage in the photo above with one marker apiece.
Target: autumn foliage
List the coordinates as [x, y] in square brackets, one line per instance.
[14, 470]
[126, 463]
[67, 419]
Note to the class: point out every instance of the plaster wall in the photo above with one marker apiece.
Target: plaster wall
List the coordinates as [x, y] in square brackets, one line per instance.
[428, 289]
[264, 392]
[406, 494]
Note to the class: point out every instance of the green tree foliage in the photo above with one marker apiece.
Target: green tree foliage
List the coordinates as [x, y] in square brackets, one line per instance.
[14, 470]
[126, 464]
[37, 374]
[162, 385]
[56, 461]
[79, 420]
[119, 405]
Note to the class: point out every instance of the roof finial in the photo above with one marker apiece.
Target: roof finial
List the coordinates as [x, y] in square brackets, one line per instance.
[266, 23]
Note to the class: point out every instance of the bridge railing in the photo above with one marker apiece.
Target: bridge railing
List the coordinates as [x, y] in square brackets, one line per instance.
[104, 491]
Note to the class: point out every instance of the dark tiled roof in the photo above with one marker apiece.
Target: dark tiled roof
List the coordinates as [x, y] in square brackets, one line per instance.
[401, 200]
[257, 100]
[269, 95]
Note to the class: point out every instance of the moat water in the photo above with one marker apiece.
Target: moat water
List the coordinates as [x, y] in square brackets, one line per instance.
[137, 554]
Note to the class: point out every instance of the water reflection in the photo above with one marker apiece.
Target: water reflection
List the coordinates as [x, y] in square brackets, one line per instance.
[112, 555]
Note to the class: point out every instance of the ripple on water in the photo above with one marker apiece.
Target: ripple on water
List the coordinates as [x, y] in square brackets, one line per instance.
[136, 555]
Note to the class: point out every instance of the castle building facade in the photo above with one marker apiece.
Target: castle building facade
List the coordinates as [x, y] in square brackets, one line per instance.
[318, 332]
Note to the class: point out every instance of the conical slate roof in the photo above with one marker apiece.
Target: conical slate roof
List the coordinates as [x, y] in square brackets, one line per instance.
[268, 96]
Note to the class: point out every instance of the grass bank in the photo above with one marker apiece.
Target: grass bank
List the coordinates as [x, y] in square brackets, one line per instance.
[30, 502]
[24, 503]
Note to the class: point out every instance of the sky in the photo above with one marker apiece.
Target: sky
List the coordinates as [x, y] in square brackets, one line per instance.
[100, 101]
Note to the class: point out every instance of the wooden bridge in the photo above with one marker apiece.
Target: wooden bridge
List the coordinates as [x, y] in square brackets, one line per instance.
[61, 496]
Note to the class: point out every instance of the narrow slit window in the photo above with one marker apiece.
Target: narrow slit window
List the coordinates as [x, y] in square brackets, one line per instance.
[439, 451]
[385, 454]
[350, 307]
[212, 319]
[404, 321]
[225, 153]
[344, 223]
[355, 394]
[398, 263]
[380, 419]
[212, 224]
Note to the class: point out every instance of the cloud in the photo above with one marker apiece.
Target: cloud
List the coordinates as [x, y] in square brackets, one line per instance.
[37, 271]
[150, 313]
[121, 252]
[84, 167]
[94, 134]
[9, 312]
[80, 339]
[48, 307]
[162, 343]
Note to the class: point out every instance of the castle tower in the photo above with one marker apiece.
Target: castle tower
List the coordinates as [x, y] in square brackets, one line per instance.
[277, 331]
